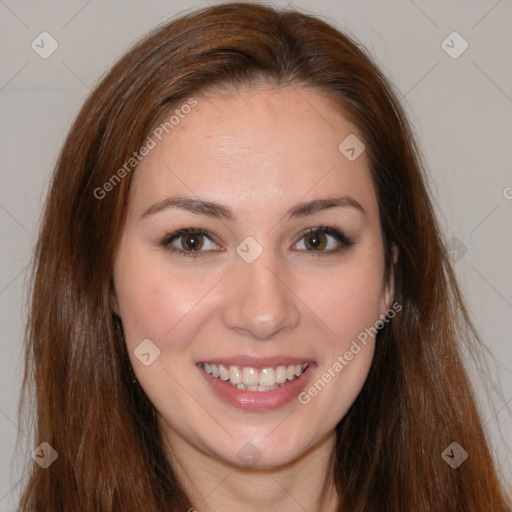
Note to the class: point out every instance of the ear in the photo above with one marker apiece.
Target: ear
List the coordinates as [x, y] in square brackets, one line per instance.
[388, 292]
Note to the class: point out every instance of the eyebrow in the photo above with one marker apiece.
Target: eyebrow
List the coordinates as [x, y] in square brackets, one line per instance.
[223, 211]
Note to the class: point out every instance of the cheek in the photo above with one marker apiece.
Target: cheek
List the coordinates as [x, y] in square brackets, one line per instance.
[151, 300]
[348, 300]
[163, 306]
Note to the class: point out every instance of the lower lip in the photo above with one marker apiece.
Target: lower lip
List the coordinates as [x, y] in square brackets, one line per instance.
[258, 400]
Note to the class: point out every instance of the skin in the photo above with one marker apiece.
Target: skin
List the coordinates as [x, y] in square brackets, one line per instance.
[260, 151]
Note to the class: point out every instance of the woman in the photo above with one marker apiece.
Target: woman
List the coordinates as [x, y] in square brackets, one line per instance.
[241, 296]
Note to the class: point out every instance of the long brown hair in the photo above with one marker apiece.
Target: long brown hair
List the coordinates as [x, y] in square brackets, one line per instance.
[417, 399]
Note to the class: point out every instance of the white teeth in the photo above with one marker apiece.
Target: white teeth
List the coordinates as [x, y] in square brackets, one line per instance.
[251, 379]
[265, 388]
[215, 370]
[235, 375]
[250, 376]
[280, 374]
[255, 388]
[223, 373]
[267, 377]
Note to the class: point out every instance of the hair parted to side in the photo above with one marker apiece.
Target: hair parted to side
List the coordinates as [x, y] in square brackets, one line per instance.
[417, 398]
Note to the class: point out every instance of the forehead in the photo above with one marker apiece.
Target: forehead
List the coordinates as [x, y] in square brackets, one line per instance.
[254, 148]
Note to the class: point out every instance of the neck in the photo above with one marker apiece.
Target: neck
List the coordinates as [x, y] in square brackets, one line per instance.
[305, 483]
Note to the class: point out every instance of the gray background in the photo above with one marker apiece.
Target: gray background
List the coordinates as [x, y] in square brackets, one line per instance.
[461, 109]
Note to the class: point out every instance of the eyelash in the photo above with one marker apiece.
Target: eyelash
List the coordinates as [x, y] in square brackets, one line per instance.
[344, 240]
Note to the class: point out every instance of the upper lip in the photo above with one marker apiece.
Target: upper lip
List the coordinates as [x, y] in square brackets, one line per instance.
[258, 362]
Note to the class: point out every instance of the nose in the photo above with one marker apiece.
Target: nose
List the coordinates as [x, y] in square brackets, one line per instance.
[259, 299]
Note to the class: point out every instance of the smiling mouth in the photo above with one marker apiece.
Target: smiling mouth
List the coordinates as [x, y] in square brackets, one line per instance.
[251, 379]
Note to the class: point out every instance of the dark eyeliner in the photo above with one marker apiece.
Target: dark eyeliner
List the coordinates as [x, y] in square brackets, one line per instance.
[166, 241]
[343, 239]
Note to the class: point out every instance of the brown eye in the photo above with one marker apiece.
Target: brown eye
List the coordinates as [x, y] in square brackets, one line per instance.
[316, 240]
[323, 241]
[192, 242]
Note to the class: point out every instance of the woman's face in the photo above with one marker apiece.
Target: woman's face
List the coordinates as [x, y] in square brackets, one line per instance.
[253, 294]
